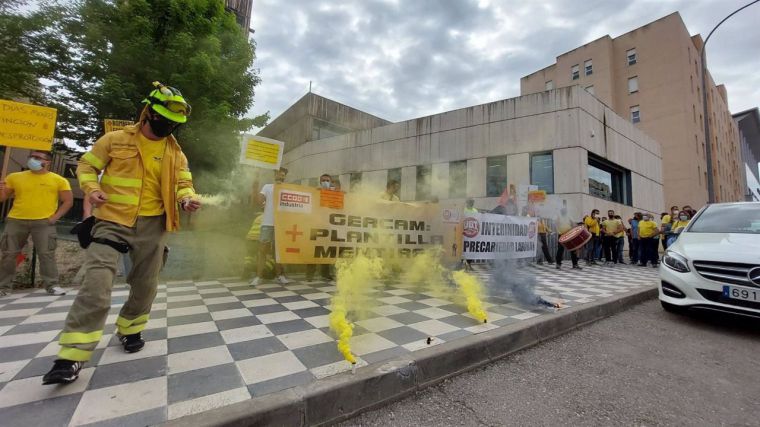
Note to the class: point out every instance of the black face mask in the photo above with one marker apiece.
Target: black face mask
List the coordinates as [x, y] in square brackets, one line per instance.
[162, 127]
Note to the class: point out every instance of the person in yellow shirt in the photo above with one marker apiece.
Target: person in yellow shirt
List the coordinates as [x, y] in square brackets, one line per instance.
[611, 229]
[36, 194]
[677, 227]
[592, 224]
[144, 182]
[391, 191]
[648, 240]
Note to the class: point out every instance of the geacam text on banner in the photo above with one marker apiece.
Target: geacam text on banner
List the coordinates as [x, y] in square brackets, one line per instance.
[309, 230]
[492, 236]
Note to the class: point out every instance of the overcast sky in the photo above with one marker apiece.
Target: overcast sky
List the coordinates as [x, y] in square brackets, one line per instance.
[405, 59]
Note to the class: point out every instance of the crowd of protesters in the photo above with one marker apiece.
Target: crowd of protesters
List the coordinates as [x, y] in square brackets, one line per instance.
[643, 233]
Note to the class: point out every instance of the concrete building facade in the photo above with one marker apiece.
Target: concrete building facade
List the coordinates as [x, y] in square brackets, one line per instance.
[652, 77]
[315, 117]
[748, 123]
[559, 140]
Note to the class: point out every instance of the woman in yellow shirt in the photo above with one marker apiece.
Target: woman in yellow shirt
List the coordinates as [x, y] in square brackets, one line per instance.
[677, 226]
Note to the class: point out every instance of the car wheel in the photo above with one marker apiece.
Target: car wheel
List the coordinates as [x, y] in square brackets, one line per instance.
[671, 308]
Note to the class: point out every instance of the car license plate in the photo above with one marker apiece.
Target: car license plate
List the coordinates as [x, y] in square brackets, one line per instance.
[741, 293]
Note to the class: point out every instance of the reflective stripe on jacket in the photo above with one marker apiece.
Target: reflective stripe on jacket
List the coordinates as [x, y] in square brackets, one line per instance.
[117, 155]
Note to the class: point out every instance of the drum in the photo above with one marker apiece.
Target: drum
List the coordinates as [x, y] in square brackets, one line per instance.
[575, 238]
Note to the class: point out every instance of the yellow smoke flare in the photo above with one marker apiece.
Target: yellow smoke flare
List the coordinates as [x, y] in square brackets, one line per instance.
[472, 290]
[355, 278]
[342, 328]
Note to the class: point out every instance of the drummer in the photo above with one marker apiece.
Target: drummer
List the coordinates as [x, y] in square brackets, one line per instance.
[564, 224]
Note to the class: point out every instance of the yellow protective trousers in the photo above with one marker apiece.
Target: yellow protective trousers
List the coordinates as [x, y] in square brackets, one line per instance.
[87, 316]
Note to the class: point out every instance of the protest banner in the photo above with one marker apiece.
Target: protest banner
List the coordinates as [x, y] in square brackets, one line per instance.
[492, 236]
[309, 230]
[261, 152]
[111, 125]
[26, 126]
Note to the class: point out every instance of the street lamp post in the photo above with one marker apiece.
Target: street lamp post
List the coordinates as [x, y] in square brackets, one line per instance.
[708, 145]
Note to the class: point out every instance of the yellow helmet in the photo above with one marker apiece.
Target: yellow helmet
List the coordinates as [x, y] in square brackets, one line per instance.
[168, 102]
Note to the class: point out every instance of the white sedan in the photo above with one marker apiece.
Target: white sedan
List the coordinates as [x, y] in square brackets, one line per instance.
[715, 262]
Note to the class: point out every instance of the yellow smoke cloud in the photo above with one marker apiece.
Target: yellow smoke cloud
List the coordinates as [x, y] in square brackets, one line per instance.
[472, 290]
[356, 277]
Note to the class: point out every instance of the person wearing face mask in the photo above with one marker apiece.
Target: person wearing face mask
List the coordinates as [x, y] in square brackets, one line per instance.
[678, 226]
[648, 240]
[592, 224]
[41, 198]
[144, 182]
[325, 183]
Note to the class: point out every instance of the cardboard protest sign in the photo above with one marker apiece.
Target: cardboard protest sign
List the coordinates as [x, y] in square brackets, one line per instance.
[261, 152]
[27, 126]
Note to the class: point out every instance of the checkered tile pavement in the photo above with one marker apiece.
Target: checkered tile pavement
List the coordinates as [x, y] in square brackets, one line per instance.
[218, 342]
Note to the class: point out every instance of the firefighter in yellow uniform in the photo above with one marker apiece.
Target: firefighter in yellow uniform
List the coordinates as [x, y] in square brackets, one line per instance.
[145, 181]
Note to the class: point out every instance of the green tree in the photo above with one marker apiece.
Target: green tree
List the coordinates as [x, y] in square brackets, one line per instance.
[25, 48]
[113, 50]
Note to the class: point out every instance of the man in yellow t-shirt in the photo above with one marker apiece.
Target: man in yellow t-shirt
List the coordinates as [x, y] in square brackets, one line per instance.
[37, 193]
[592, 224]
[648, 233]
[611, 228]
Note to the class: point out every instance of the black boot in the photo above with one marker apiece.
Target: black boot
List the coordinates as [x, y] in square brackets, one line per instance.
[132, 343]
[63, 372]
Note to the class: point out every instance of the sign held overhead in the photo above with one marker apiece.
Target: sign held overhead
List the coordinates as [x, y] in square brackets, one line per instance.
[261, 152]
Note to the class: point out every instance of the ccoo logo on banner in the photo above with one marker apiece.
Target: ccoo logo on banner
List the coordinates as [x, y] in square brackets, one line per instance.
[493, 236]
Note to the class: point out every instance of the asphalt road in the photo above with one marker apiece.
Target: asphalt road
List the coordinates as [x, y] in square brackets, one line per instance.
[641, 367]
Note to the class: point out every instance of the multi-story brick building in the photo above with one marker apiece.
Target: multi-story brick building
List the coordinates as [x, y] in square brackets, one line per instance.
[652, 76]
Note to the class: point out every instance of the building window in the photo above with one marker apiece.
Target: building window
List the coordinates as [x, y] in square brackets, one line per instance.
[699, 175]
[588, 67]
[590, 89]
[496, 175]
[542, 171]
[631, 56]
[633, 84]
[574, 72]
[609, 181]
[635, 115]
[549, 85]
[458, 179]
[424, 187]
[394, 175]
[355, 180]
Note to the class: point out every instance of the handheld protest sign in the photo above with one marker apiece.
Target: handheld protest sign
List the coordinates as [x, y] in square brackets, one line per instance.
[25, 126]
[261, 152]
[111, 125]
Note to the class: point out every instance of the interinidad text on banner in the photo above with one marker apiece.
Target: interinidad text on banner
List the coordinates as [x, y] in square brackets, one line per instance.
[263, 151]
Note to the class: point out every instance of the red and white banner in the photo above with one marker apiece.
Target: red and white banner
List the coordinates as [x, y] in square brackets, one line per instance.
[492, 236]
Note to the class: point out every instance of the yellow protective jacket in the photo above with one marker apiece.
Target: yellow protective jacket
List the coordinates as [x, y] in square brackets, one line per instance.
[117, 155]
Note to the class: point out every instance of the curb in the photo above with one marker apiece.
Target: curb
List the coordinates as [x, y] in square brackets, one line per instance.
[345, 395]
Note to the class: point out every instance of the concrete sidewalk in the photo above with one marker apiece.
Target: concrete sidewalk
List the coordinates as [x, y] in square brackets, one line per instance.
[266, 355]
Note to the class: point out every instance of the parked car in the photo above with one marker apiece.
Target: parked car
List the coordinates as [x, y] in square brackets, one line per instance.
[715, 262]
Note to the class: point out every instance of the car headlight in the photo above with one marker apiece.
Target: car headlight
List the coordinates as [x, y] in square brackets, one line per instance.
[676, 262]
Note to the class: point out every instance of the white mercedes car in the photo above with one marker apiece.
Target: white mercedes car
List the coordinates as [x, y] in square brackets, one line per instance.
[715, 262]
